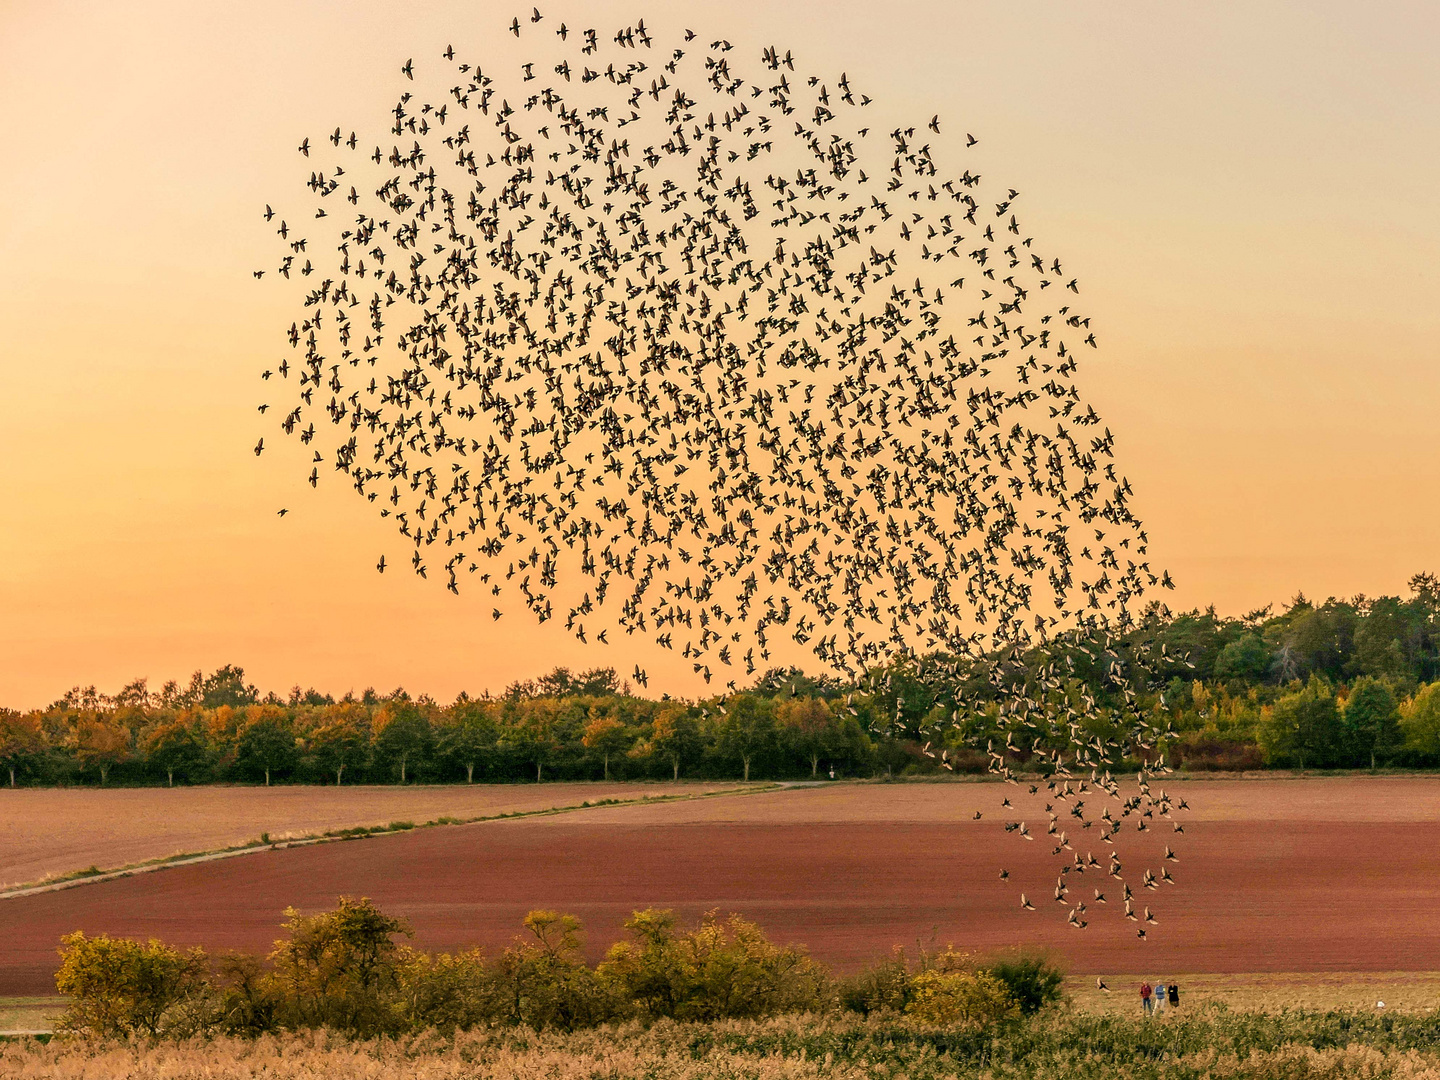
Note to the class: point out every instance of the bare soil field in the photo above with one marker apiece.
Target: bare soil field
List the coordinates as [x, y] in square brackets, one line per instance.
[50, 831]
[1309, 875]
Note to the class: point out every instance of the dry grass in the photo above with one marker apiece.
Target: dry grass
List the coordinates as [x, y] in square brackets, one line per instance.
[49, 832]
[1401, 991]
[30, 1013]
[791, 1049]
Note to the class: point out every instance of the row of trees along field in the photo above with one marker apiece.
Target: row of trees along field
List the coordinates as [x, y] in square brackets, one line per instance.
[1343, 684]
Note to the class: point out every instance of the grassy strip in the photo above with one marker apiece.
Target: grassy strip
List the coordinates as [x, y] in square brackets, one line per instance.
[358, 832]
[1213, 1044]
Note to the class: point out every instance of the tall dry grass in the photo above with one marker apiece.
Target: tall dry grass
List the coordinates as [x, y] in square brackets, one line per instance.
[1215, 1045]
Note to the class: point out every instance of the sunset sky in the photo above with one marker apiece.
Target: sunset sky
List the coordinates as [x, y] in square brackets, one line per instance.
[1249, 194]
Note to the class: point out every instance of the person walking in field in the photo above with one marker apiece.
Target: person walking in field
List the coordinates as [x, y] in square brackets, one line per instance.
[1174, 995]
[1159, 997]
[1146, 1001]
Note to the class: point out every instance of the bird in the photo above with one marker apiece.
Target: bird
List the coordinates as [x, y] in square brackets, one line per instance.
[282, 512]
[1025, 903]
[1100, 985]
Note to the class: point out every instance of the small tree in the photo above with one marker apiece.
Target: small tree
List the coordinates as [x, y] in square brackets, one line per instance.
[100, 743]
[467, 736]
[530, 732]
[1032, 979]
[810, 727]
[121, 987]
[1372, 720]
[403, 735]
[605, 736]
[546, 981]
[22, 740]
[1420, 722]
[339, 745]
[176, 744]
[747, 729]
[674, 736]
[336, 967]
[267, 743]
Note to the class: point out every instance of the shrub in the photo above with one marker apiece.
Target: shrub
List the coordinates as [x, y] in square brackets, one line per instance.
[338, 968]
[1031, 978]
[122, 987]
[959, 999]
[883, 987]
[545, 982]
[449, 992]
[248, 1001]
[719, 970]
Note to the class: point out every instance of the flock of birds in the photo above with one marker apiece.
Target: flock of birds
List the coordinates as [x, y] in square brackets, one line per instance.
[660, 340]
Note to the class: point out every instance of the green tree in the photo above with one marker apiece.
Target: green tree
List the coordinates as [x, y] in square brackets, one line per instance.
[1304, 726]
[531, 732]
[1372, 721]
[467, 735]
[1247, 659]
[177, 744]
[403, 735]
[267, 743]
[810, 728]
[747, 729]
[227, 686]
[546, 981]
[721, 969]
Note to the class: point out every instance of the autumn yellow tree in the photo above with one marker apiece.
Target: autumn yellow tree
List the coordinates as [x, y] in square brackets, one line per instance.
[22, 739]
[100, 743]
[604, 735]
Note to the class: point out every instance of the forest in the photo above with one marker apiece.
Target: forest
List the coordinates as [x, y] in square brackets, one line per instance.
[1343, 684]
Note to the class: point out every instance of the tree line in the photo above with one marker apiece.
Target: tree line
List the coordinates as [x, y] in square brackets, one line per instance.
[1340, 684]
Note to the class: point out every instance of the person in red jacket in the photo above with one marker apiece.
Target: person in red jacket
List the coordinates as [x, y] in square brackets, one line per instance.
[1146, 1001]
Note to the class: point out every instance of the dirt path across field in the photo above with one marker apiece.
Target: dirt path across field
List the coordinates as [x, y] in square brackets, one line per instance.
[1274, 876]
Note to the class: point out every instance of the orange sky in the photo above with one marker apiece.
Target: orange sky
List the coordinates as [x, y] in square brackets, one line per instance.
[1248, 193]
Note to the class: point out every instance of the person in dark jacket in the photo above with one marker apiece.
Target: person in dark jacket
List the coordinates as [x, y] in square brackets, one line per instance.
[1174, 995]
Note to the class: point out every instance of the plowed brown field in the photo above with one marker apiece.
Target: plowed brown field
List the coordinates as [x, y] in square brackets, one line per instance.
[46, 831]
[1275, 875]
